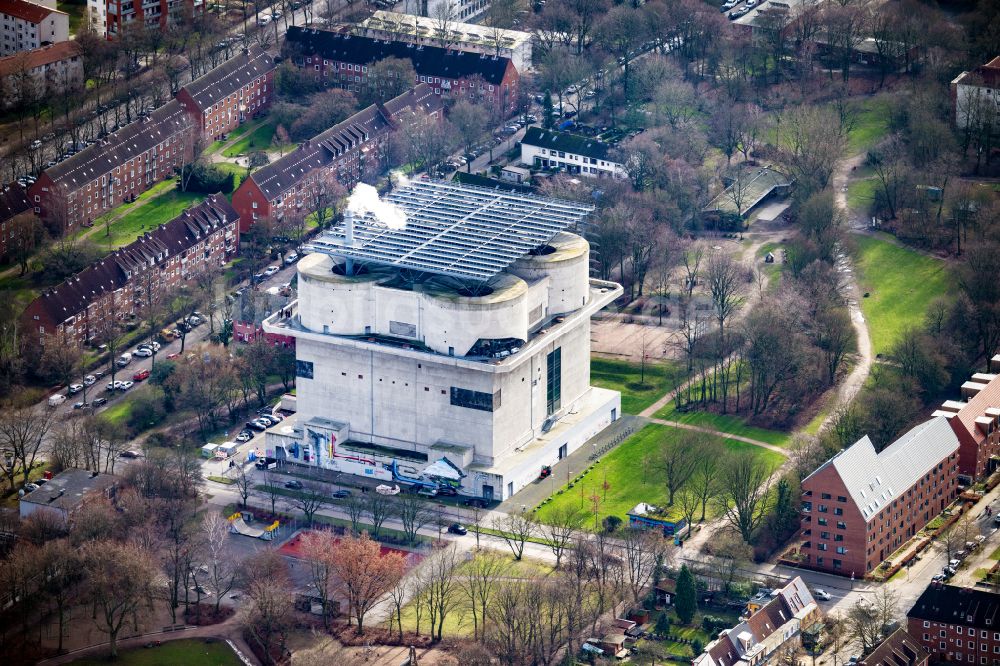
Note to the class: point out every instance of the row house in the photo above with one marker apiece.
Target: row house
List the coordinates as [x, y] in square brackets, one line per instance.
[342, 60]
[203, 237]
[759, 638]
[862, 505]
[118, 168]
[111, 17]
[42, 72]
[14, 207]
[975, 419]
[349, 152]
[27, 25]
[898, 649]
[957, 624]
[235, 91]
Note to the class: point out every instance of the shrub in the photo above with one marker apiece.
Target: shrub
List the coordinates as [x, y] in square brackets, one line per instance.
[662, 626]
[210, 179]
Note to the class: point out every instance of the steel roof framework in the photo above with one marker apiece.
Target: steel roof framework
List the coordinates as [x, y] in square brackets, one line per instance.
[460, 231]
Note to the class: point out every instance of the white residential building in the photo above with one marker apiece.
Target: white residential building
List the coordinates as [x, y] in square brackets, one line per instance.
[574, 154]
[472, 37]
[26, 25]
[452, 353]
[976, 93]
[456, 10]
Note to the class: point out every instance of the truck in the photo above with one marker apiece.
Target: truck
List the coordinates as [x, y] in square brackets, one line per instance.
[56, 400]
[124, 360]
[267, 463]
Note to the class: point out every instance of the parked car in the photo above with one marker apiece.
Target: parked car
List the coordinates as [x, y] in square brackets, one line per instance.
[130, 454]
[244, 436]
[293, 484]
[143, 352]
[89, 380]
[343, 493]
[172, 356]
[822, 594]
[75, 388]
[457, 528]
[270, 270]
[99, 402]
[124, 360]
[141, 375]
[291, 258]
[257, 425]
[475, 502]
[79, 405]
[266, 462]
[113, 386]
[126, 385]
[268, 419]
[28, 487]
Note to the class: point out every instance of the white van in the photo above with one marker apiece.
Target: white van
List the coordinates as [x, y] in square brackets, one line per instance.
[124, 360]
[56, 400]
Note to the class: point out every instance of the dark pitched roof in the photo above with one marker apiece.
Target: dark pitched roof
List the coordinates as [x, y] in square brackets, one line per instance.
[281, 175]
[899, 649]
[427, 60]
[13, 201]
[27, 11]
[566, 142]
[112, 273]
[229, 77]
[958, 605]
[483, 181]
[68, 488]
[121, 146]
[45, 55]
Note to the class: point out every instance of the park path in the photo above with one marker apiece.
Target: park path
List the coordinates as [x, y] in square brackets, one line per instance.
[719, 433]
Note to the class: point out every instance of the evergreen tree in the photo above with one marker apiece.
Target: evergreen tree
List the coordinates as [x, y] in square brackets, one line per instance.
[686, 599]
[547, 110]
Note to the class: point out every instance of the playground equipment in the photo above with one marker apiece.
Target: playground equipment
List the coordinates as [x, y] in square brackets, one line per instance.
[238, 525]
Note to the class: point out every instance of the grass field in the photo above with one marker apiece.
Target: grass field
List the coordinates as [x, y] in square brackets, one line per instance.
[623, 376]
[188, 652]
[861, 194]
[629, 471]
[147, 216]
[76, 11]
[901, 283]
[256, 138]
[239, 173]
[871, 123]
[731, 425]
[118, 413]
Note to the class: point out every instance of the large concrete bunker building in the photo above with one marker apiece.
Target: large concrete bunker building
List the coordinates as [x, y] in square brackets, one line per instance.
[443, 341]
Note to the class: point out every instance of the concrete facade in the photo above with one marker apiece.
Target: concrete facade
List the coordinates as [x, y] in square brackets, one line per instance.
[399, 372]
[111, 17]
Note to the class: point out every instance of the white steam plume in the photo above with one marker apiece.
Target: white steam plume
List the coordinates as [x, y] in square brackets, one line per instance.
[364, 199]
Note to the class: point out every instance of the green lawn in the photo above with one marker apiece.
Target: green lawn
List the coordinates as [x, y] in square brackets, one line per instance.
[772, 271]
[629, 471]
[118, 413]
[871, 123]
[190, 652]
[861, 194]
[623, 376]
[240, 172]
[729, 424]
[995, 555]
[257, 138]
[901, 283]
[146, 217]
[216, 146]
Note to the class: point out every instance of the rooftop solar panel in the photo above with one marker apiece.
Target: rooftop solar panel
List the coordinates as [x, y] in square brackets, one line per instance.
[461, 231]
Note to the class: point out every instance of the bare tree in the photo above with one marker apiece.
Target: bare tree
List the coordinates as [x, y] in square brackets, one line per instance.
[268, 616]
[413, 513]
[515, 529]
[705, 480]
[318, 547]
[221, 576]
[744, 485]
[310, 499]
[438, 573]
[120, 577]
[22, 431]
[560, 528]
[482, 576]
[869, 620]
[243, 483]
[642, 551]
[678, 460]
[379, 508]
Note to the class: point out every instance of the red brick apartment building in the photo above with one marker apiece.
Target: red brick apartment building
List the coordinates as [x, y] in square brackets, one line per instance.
[348, 152]
[162, 14]
[957, 624]
[202, 236]
[121, 166]
[898, 649]
[861, 505]
[224, 98]
[14, 205]
[342, 60]
[975, 419]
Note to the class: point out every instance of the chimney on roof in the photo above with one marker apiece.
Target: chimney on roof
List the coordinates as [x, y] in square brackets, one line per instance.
[971, 389]
[994, 364]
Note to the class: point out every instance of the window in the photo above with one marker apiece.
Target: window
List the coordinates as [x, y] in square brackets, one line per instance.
[553, 380]
[841, 550]
[823, 508]
[304, 369]
[826, 496]
[841, 525]
[841, 498]
[837, 511]
[484, 402]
